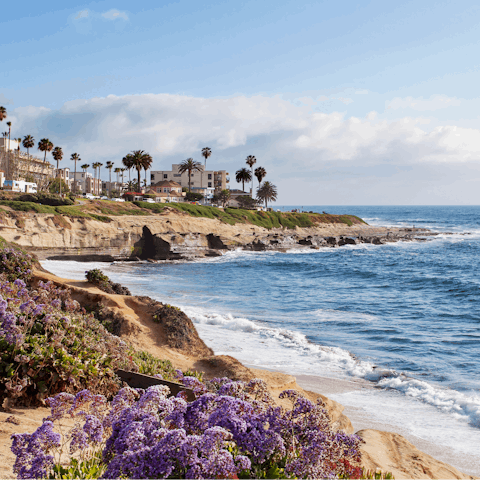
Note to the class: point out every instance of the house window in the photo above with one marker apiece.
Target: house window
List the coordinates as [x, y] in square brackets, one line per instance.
[165, 175]
[165, 190]
[152, 177]
[209, 184]
[209, 176]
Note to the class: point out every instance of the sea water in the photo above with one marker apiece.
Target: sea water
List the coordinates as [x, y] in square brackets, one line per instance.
[402, 317]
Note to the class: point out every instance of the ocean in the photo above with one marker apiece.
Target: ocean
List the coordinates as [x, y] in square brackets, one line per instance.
[401, 320]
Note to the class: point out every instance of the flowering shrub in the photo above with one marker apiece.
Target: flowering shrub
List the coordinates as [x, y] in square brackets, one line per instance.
[232, 430]
[49, 344]
[15, 264]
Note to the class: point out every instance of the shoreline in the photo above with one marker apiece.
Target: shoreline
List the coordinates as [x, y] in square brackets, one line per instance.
[329, 387]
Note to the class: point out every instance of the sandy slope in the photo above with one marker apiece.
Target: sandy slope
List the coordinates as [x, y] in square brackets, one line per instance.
[387, 451]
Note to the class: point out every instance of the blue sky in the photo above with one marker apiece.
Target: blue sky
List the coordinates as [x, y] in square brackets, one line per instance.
[342, 102]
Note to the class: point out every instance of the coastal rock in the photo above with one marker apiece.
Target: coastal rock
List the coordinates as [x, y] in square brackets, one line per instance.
[391, 452]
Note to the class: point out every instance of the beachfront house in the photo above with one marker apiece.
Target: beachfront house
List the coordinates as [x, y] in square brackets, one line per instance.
[204, 182]
[20, 186]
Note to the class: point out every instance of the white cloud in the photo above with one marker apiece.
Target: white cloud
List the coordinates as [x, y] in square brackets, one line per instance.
[420, 104]
[361, 92]
[286, 138]
[115, 15]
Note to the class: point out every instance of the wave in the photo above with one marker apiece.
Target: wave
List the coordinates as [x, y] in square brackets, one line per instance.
[299, 352]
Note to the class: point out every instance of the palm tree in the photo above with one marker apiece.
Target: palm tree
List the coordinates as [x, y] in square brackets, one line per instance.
[75, 157]
[9, 124]
[251, 161]
[190, 165]
[146, 167]
[123, 171]
[99, 166]
[3, 113]
[243, 175]
[19, 141]
[28, 143]
[45, 145]
[118, 170]
[57, 154]
[267, 191]
[206, 152]
[95, 166]
[127, 160]
[109, 167]
[260, 173]
[141, 160]
[84, 167]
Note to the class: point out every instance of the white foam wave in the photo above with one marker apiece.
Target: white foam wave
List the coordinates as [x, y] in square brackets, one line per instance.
[303, 356]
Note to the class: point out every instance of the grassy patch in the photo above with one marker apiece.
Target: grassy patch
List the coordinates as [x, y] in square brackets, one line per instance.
[261, 219]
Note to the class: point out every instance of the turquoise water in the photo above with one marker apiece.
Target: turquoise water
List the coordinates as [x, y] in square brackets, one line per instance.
[405, 317]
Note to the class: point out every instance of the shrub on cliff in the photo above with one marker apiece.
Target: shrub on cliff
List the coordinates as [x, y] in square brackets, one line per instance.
[45, 199]
[49, 344]
[100, 280]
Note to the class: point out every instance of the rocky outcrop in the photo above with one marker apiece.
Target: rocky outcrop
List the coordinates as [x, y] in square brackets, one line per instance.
[176, 235]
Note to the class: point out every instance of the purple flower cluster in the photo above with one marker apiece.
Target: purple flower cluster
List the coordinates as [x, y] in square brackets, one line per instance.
[33, 451]
[234, 430]
[42, 343]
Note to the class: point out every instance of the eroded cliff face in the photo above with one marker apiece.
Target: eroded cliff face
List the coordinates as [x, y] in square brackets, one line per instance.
[174, 236]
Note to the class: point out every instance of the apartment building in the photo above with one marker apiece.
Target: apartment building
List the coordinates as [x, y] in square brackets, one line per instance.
[17, 164]
[201, 182]
[86, 183]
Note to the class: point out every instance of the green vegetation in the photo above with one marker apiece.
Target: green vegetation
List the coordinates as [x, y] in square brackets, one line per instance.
[101, 210]
[261, 219]
[150, 365]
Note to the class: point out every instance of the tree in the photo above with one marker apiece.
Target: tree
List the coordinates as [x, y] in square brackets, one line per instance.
[118, 170]
[9, 124]
[19, 141]
[267, 192]
[57, 154]
[223, 196]
[57, 184]
[85, 167]
[3, 113]
[251, 161]
[190, 165]
[206, 152]
[245, 201]
[99, 166]
[45, 145]
[28, 143]
[123, 171]
[193, 197]
[109, 166]
[260, 173]
[95, 166]
[75, 157]
[141, 160]
[243, 175]
[127, 160]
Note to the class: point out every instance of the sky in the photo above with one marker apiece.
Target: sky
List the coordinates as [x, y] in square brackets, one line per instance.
[343, 103]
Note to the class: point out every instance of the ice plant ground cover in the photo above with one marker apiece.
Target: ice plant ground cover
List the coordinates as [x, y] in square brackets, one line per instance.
[232, 430]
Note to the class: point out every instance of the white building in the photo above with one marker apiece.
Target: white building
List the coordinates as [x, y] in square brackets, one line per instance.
[20, 186]
[86, 183]
[204, 182]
